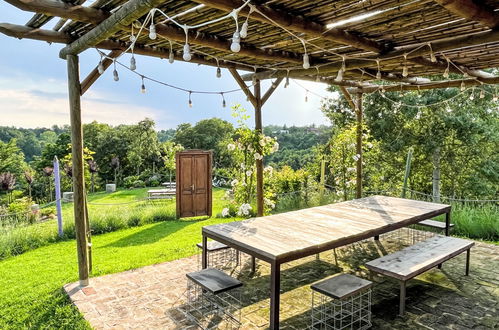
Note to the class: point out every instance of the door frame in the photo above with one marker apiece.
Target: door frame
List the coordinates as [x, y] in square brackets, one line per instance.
[178, 179]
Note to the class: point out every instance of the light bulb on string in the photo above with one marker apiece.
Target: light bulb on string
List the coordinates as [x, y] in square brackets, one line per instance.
[472, 96]
[274, 85]
[152, 31]
[224, 104]
[446, 72]
[116, 77]
[187, 53]
[405, 70]
[339, 76]
[378, 74]
[433, 58]
[219, 72]
[306, 61]
[133, 63]
[244, 30]
[286, 84]
[143, 86]
[171, 55]
[463, 86]
[190, 100]
[494, 98]
[306, 95]
[482, 94]
[236, 42]
[100, 67]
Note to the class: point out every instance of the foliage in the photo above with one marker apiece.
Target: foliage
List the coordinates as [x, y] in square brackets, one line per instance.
[144, 146]
[168, 150]
[11, 159]
[247, 147]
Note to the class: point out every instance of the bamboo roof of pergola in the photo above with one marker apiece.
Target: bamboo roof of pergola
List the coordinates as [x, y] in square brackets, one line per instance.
[462, 34]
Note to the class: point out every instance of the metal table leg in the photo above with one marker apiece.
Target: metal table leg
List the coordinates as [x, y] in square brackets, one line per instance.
[204, 260]
[468, 252]
[253, 265]
[447, 223]
[275, 292]
[402, 298]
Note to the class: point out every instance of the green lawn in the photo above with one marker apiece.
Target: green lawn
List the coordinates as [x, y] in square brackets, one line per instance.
[31, 293]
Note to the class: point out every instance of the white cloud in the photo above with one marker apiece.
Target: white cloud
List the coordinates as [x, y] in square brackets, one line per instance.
[34, 104]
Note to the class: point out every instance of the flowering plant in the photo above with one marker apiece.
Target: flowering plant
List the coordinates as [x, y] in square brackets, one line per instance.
[247, 147]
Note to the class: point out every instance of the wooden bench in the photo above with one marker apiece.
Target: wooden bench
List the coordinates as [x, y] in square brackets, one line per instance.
[160, 193]
[417, 259]
[434, 224]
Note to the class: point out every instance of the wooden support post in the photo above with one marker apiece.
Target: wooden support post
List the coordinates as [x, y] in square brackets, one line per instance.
[259, 163]
[358, 111]
[407, 172]
[78, 169]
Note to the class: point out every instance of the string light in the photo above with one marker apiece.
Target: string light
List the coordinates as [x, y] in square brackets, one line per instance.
[187, 53]
[463, 86]
[152, 31]
[171, 55]
[339, 76]
[378, 74]
[143, 86]
[446, 72]
[115, 73]
[286, 84]
[494, 98]
[482, 94]
[244, 30]
[306, 61]
[223, 101]
[472, 96]
[236, 45]
[433, 58]
[219, 72]
[306, 95]
[100, 67]
[190, 100]
[318, 78]
[405, 70]
[133, 63]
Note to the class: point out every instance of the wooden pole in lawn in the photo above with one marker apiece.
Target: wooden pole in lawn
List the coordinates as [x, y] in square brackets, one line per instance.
[78, 170]
[259, 162]
[358, 111]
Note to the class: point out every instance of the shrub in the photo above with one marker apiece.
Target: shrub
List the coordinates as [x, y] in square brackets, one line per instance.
[139, 184]
[48, 212]
[130, 180]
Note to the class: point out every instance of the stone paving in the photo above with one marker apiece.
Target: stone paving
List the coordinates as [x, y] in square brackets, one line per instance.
[153, 296]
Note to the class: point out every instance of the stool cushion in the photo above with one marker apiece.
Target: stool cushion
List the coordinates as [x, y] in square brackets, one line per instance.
[213, 246]
[341, 286]
[214, 280]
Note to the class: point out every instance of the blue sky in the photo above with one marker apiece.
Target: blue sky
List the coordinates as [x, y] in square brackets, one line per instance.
[33, 90]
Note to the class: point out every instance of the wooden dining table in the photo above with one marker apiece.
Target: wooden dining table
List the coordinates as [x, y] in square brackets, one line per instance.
[289, 236]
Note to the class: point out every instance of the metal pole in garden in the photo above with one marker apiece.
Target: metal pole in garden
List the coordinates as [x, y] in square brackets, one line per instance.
[57, 181]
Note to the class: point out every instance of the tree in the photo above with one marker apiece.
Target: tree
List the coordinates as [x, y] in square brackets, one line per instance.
[168, 151]
[30, 178]
[143, 149]
[11, 158]
[7, 184]
[93, 168]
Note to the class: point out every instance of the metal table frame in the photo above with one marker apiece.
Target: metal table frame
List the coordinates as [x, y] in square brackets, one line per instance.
[275, 263]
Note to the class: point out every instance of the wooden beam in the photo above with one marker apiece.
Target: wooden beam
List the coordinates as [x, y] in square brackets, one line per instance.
[259, 163]
[94, 74]
[473, 11]
[432, 85]
[298, 24]
[243, 86]
[78, 168]
[21, 31]
[271, 90]
[61, 9]
[348, 97]
[358, 146]
[411, 51]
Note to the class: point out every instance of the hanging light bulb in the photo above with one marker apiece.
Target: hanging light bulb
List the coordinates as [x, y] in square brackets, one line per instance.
[378, 74]
[472, 96]
[143, 86]
[306, 61]
[494, 98]
[463, 86]
[132, 38]
[171, 57]
[433, 58]
[133, 64]
[318, 78]
[244, 30]
[286, 84]
[223, 101]
[446, 72]
[236, 39]
[339, 76]
[405, 70]
[152, 32]
[190, 101]
[187, 53]
[116, 77]
[482, 94]
[100, 67]
[219, 72]
[306, 96]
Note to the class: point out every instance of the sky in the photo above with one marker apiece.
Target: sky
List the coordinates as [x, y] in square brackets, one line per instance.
[33, 89]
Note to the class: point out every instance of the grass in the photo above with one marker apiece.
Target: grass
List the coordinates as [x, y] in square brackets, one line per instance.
[31, 293]
[107, 212]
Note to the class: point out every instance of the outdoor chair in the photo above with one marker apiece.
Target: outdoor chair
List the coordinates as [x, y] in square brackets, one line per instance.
[213, 299]
[341, 302]
[219, 255]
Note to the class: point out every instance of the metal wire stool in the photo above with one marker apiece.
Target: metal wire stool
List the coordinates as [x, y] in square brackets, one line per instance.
[213, 300]
[219, 255]
[341, 302]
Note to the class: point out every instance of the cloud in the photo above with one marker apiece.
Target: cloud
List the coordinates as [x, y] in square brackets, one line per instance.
[39, 108]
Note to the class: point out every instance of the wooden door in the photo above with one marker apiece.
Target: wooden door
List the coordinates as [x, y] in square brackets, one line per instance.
[193, 183]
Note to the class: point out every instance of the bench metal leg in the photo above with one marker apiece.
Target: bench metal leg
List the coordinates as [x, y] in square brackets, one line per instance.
[402, 298]
[447, 224]
[253, 264]
[468, 252]
[376, 238]
[439, 266]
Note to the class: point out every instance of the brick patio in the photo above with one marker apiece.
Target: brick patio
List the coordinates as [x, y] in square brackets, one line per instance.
[153, 296]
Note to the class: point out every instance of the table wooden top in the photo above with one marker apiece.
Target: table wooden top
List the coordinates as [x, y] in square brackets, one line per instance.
[293, 235]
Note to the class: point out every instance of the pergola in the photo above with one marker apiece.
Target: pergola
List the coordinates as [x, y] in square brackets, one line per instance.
[361, 46]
